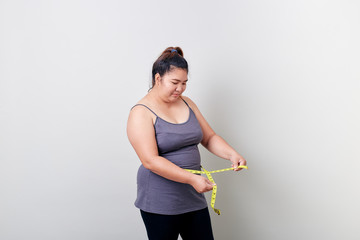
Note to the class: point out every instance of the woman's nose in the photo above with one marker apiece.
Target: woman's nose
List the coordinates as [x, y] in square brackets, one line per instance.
[180, 88]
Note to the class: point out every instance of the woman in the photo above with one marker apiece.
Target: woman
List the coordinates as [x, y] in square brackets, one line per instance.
[165, 128]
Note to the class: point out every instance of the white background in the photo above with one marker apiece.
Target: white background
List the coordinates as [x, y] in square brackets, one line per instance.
[279, 80]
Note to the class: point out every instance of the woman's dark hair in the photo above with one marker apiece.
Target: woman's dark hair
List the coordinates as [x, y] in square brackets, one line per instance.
[172, 57]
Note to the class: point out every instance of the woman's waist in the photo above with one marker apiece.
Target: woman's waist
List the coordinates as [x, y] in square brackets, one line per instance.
[184, 159]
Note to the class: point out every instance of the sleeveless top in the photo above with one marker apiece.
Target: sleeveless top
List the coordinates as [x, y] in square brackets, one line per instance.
[177, 143]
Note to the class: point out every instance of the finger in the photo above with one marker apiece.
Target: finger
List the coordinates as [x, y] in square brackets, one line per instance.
[210, 184]
[208, 181]
[235, 166]
[239, 169]
[242, 162]
[210, 187]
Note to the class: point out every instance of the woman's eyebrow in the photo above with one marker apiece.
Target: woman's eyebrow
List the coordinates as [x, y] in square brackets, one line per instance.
[179, 80]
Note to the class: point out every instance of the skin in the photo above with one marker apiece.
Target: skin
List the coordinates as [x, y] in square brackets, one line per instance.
[165, 99]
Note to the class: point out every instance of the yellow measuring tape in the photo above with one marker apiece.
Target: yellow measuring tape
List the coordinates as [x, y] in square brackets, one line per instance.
[208, 174]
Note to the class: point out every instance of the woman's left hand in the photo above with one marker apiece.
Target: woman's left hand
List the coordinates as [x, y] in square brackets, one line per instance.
[237, 160]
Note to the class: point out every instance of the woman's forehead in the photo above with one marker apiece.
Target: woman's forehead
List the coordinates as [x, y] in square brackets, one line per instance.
[178, 73]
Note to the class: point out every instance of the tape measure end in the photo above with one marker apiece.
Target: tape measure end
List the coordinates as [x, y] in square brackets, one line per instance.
[245, 167]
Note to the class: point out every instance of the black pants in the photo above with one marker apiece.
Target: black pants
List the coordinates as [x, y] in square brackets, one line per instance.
[192, 225]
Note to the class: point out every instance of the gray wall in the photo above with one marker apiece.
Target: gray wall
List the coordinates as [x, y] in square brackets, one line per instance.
[279, 80]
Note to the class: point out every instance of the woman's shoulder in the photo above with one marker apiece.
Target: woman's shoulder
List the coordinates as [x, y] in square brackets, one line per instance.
[142, 110]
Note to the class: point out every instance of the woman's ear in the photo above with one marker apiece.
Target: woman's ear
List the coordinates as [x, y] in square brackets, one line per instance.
[157, 78]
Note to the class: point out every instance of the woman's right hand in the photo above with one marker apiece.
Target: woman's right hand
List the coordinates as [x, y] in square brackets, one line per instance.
[202, 184]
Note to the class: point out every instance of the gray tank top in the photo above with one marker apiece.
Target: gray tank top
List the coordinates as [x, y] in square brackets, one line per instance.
[179, 144]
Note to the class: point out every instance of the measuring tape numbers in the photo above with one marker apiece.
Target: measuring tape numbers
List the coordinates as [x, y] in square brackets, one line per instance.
[208, 174]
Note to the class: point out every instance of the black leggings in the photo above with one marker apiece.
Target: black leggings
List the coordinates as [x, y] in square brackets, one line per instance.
[192, 225]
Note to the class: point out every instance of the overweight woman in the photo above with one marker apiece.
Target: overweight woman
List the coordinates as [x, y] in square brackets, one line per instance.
[165, 128]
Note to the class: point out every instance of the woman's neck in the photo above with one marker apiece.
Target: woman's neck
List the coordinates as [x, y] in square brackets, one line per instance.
[156, 98]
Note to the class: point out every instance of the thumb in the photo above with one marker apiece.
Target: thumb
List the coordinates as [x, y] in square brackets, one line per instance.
[210, 183]
[235, 165]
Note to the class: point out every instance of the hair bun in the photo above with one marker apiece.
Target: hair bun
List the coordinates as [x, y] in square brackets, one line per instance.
[179, 51]
[171, 50]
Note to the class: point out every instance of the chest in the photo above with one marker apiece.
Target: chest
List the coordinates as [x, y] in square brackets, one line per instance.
[175, 115]
[172, 137]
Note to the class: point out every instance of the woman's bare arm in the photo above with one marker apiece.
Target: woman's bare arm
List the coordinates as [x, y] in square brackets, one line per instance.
[213, 142]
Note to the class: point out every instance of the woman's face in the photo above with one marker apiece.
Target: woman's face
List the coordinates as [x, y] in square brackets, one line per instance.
[172, 84]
